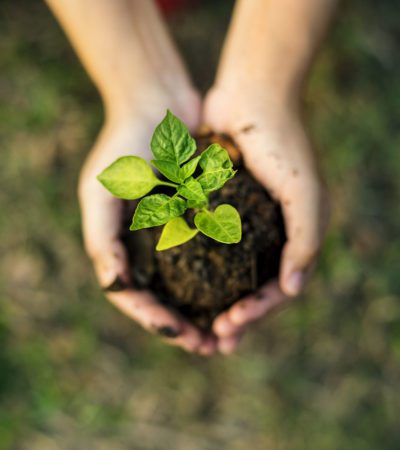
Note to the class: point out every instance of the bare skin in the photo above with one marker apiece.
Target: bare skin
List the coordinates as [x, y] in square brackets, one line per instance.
[127, 51]
[256, 99]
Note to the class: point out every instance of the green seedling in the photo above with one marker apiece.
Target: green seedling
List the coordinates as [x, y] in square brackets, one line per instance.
[131, 177]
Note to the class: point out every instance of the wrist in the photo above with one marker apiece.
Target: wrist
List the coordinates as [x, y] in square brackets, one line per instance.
[278, 80]
[237, 109]
[252, 95]
[151, 100]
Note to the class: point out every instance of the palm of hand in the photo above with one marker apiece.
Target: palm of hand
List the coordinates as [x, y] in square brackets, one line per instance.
[277, 151]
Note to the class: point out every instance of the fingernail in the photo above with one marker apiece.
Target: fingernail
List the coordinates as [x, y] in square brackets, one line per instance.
[294, 283]
[168, 332]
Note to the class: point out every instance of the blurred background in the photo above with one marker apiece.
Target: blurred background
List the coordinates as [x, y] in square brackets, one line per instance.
[75, 373]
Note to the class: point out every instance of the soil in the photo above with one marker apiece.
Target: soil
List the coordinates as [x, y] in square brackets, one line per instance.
[202, 278]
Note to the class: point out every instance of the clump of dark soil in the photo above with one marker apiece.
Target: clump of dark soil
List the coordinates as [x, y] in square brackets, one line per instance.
[203, 277]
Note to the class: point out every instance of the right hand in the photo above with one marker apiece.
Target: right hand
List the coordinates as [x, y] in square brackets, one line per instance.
[102, 221]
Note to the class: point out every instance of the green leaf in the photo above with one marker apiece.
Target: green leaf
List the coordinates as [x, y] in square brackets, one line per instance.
[215, 157]
[129, 177]
[212, 181]
[192, 190]
[223, 225]
[173, 172]
[156, 210]
[171, 141]
[188, 169]
[169, 169]
[175, 232]
[197, 204]
[217, 168]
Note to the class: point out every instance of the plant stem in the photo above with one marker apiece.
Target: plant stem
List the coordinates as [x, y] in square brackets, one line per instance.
[166, 183]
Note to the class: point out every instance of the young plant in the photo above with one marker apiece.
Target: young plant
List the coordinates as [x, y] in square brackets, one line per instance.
[131, 177]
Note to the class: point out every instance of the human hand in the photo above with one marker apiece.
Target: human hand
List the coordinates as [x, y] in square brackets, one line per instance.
[102, 216]
[277, 151]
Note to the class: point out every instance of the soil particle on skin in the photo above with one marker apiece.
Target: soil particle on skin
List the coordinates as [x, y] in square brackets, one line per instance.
[202, 278]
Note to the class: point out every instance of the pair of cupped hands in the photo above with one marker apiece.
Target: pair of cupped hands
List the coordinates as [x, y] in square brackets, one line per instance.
[276, 149]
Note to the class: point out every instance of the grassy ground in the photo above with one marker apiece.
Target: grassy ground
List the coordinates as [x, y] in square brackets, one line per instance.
[75, 374]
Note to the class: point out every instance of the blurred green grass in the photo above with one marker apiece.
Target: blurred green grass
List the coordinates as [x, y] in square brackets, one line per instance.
[75, 373]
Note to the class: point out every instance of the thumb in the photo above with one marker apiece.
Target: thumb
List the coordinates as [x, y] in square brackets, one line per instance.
[305, 209]
[111, 266]
[101, 223]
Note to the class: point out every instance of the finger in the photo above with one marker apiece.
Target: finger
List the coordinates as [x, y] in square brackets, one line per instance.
[209, 346]
[223, 326]
[244, 312]
[256, 305]
[305, 209]
[101, 212]
[101, 226]
[249, 309]
[142, 307]
[228, 345]
[112, 267]
[193, 340]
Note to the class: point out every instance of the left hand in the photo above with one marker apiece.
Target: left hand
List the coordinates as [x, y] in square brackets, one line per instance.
[277, 151]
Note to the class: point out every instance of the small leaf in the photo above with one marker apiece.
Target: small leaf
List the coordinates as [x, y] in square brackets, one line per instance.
[217, 168]
[175, 232]
[169, 169]
[171, 141]
[156, 210]
[192, 190]
[129, 177]
[189, 168]
[212, 181]
[197, 204]
[215, 157]
[223, 225]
